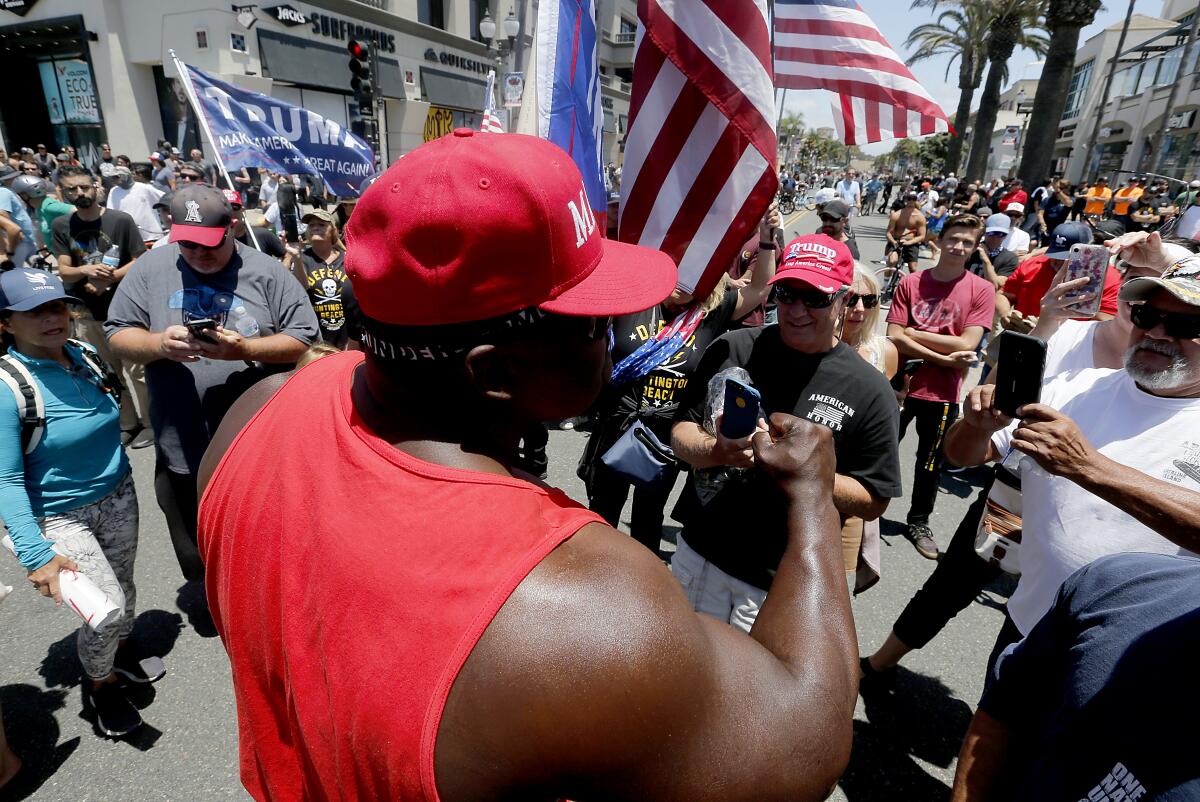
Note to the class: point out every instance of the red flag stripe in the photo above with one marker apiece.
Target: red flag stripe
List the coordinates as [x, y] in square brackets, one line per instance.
[815, 27]
[646, 62]
[744, 224]
[841, 58]
[751, 31]
[891, 97]
[721, 161]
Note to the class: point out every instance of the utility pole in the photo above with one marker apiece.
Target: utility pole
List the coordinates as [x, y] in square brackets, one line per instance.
[1092, 161]
[1184, 63]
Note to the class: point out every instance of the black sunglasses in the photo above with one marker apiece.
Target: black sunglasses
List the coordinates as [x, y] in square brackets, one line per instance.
[189, 177]
[868, 301]
[828, 218]
[1179, 325]
[810, 297]
[196, 246]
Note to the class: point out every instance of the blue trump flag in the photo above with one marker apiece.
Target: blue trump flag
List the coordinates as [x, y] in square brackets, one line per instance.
[568, 90]
[252, 130]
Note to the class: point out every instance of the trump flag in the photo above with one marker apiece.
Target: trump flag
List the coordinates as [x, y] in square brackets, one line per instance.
[253, 130]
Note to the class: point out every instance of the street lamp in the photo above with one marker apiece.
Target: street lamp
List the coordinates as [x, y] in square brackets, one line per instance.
[503, 48]
[1024, 110]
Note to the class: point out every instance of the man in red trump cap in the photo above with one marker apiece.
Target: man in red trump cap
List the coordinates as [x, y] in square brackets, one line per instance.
[731, 546]
[436, 624]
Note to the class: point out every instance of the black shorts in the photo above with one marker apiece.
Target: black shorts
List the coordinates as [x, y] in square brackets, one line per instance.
[908, 253]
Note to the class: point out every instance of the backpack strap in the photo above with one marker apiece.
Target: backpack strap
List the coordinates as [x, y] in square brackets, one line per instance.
[30, 406]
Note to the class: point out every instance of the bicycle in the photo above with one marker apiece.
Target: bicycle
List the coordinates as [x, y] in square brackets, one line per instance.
[888, 278]
[787, 202]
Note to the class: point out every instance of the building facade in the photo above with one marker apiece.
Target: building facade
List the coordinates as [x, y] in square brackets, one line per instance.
[101, 70]
[1130, 123]
[1008, 134]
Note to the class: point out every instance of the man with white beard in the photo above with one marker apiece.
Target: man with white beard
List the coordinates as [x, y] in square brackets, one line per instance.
[1113, 456]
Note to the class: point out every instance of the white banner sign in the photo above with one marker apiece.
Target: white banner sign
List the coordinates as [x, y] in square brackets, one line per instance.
[514, 89]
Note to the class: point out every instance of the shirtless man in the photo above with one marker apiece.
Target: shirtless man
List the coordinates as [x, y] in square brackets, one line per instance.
[905, 233]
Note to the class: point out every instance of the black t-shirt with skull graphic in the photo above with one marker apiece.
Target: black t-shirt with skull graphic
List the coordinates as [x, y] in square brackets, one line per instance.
[331, 296]
[86, 242]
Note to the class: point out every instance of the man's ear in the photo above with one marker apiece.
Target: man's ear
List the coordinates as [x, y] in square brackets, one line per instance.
[493, 371]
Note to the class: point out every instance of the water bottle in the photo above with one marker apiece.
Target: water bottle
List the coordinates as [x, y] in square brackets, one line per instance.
[243, 322]
[112, 257]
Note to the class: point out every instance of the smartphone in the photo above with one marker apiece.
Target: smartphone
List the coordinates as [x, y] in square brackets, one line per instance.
[1090, 261]
[1019, 370]
[739, 417]
[198, 326]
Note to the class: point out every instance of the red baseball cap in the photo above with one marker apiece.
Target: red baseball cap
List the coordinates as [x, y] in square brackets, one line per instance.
[817, 260]
[477, 225]
[233, 196]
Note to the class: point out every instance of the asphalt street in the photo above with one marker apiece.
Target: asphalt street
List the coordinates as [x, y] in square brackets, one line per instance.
[905, 745]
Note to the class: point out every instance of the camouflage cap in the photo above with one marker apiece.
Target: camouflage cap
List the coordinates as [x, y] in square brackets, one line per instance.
[1181, 279]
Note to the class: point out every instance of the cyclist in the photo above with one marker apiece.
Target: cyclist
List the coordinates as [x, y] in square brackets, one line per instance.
[870, 193]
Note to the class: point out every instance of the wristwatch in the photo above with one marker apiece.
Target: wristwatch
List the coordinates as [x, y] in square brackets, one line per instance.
[767, 246]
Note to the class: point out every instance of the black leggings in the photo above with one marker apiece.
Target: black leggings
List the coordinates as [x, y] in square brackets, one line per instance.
[177, 497]
[933, 419]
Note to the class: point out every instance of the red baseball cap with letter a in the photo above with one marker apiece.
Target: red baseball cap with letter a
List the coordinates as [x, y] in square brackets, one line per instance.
[817, 260]
[478, 225]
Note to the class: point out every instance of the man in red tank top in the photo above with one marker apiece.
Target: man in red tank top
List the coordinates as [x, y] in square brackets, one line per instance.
[436, 624]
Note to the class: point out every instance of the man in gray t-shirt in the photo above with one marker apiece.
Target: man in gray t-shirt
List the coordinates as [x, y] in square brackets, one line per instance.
[209, 318]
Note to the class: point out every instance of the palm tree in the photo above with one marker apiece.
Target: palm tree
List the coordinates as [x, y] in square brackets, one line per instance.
[958, 33]
[1014, 23]
[1064, 18]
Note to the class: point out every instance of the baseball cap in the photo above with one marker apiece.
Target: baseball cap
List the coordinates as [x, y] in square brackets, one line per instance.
[25, 288]
[1015, 208]
[531, 240]
[164, 201]
[200, 214]
[1194, 184]
[7, 173]
[824, 195]
[63, 157]
[817, 260]
[121, 169]
[1105, 230]
[1065, 235]
[232, 196]
[156, 156]
[911, 196]
[1181, 279]
[319, 214]
[836, 208]
[997, 224]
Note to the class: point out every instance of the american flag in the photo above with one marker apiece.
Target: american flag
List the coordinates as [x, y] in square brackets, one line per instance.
[491, 122]
[834, 45]
[699, 167]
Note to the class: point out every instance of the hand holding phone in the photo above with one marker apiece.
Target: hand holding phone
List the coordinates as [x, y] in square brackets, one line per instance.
[1091, 262]
[739, 416]
[1019, 371]
[198, 326]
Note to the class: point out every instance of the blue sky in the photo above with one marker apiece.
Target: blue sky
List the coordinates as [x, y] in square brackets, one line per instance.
[895, 19]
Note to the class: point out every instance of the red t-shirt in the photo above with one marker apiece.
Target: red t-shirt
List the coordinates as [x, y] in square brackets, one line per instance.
[1020, 196]
[1031, 279]
[349, 582]
[941, 307]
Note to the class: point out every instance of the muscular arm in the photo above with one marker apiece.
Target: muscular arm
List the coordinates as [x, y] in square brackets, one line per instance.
[945, 343]
[853, 498]
[136, 345]
[968, 445]
[981, 760]
[697, 447]
[754, 293]
[648, 700]
[894, 230]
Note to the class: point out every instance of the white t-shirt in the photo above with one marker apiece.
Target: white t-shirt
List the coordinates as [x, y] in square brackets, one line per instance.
[1069, 349]
[138, 202]
[1065, 526]
[1017, 241]
[1189, 223]
[849, 191]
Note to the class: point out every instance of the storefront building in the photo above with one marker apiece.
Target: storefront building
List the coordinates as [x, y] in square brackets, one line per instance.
[101, 71]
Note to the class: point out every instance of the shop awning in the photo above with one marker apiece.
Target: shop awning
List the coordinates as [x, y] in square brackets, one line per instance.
[307, 63]
[452, 91]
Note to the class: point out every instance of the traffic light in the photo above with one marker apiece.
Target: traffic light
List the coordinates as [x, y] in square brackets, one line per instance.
[362, 81]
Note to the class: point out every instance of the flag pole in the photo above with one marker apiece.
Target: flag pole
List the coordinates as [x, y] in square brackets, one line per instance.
[181, 68]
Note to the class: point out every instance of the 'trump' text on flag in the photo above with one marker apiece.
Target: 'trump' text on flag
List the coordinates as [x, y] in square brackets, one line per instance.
[253, 130]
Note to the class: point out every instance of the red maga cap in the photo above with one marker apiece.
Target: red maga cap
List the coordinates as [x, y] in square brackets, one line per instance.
[817, 260]
[477, 225]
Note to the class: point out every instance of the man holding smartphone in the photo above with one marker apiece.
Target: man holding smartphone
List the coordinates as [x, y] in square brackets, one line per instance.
[800, 367]
[208, 317]
[938, 315]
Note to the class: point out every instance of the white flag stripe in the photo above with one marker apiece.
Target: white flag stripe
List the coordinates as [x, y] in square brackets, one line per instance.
[683, 174]
[657, 105]
[733, 194]
[850, 16]
[727, 51]
[546, 42]
[864, 75]
[830, 42]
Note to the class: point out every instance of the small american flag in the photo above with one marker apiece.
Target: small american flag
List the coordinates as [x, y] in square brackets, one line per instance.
[834, 45]
[699, 167]
[491, 122]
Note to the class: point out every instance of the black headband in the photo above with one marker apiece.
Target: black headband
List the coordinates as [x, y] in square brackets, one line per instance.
[395, 343]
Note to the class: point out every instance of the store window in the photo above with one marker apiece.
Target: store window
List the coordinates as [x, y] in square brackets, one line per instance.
[202, 40]
[479, 10]
[237, 42]
[1149, 76]
[1179, 155]
[1081, 78]
[432, 12]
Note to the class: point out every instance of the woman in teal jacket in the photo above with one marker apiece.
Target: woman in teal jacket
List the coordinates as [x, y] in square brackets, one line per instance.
[70, 501]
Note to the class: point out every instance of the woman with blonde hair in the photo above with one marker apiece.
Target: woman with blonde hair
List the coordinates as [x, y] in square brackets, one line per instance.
[321, 271]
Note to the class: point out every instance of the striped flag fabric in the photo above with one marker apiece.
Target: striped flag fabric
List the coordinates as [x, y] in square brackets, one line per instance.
[566, 90]
[834, 45]
[699, 168]
[491, 122]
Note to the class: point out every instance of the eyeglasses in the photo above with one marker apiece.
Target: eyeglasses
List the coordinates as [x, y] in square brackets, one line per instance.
[86, 188]
[189, 177]
[1179, 325]
[828, 218]
[868, 301]
[810, 297]
[196, 246]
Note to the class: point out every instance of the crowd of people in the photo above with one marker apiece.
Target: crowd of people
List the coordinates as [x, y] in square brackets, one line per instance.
[462, 582]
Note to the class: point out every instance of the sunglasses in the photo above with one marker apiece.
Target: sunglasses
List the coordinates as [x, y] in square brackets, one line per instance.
[868, 301]
[1176, 324]
[827, 218]
[196, 246]
[810, 297]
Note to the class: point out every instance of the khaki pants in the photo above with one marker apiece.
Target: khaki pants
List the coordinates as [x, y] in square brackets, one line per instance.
[135, 399]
